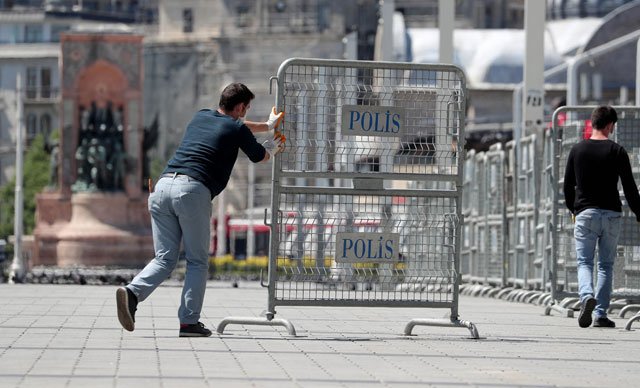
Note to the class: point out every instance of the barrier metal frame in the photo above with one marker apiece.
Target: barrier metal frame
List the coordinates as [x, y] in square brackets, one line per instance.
[496, 216]
[439, 185]
[564, 295]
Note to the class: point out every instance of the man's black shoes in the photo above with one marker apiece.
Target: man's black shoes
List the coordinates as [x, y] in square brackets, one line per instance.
[585, 319]
[127, 303]
[604, 322]
[194, 330]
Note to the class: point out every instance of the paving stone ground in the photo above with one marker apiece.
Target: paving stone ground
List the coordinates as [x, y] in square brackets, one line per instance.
[69, 336]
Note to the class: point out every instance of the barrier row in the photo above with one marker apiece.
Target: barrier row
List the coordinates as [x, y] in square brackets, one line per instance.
[517, 235]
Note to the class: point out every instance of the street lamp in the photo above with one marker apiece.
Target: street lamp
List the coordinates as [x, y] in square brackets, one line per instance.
[17, 267]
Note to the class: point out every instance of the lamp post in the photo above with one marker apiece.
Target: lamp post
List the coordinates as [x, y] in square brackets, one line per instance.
[17, 267]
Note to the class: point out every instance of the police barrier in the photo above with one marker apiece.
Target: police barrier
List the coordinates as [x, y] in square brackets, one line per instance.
[484, 228]
[474, 222]
[366, 203]
[507, 223]
[570, 125]
[543, 248]
[496, 217]
[469, 214]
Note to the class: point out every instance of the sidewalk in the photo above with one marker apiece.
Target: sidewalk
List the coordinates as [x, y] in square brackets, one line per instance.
[69, 336]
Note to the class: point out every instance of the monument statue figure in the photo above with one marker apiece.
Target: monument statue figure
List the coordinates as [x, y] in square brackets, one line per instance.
[82, 167]
[100, 156]
[97, 158]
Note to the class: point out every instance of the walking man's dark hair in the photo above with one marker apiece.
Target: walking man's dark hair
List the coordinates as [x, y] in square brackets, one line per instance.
[602, 116]
[234, 94]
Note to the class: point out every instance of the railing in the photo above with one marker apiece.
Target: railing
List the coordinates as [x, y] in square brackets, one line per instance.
[41, 94]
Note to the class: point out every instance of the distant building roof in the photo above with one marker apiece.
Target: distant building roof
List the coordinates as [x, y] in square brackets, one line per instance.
[497, 55]
[102, 28]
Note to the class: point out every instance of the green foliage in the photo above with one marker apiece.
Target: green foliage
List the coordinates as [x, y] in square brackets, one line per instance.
[36, 177]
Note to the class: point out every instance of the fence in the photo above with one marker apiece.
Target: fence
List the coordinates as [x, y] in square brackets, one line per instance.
[535, 242]
[366, 203]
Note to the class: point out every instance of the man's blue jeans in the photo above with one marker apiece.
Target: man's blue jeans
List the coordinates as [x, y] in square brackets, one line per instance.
[180, 210]
[602, 228]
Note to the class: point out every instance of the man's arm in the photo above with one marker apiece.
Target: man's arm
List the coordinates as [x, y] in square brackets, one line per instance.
[257, 127]
[628, 183]
[272, 122]
[569, 187]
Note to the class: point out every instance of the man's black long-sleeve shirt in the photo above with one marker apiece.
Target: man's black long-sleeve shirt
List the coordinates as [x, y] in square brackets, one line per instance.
[591, 177]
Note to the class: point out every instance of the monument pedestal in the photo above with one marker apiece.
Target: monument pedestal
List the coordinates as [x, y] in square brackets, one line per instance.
[98, 214]
[107, 229]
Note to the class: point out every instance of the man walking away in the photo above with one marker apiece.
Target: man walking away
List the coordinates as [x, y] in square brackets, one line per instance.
[591, 193]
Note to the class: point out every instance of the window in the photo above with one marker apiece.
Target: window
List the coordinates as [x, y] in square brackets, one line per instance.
[187, 20]
[45, 125]
[31, 126]
[45, 82]
[32, 82]
[33, 33]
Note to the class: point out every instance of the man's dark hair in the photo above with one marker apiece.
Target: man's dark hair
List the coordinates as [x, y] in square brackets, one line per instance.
[234, 94]
[602, 116]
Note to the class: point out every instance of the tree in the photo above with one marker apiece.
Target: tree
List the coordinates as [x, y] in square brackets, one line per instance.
[36, 177]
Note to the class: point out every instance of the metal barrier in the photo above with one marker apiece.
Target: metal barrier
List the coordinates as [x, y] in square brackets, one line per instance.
[543, 255]
[474, 222]
[496, 216]
[569, 126]
[522, 214]
[366, 204]
[469, 213]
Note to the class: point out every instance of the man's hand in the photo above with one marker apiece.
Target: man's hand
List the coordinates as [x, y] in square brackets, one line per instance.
[274, 119]
[276, 145]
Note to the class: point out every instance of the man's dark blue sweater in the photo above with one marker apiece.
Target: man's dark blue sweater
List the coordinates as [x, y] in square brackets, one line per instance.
[209, 149]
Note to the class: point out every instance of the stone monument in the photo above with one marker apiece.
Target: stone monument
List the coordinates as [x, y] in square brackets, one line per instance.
[95, 211]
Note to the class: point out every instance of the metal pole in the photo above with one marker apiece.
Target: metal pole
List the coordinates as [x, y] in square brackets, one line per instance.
[251, 234]
[18, 267]
[350, 42]
[384, 49]
[638, 74]
[221, 229]
[446, 20]
[533, 96]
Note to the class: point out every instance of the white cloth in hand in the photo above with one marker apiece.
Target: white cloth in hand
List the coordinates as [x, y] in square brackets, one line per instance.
[274, 146]
[274, 119]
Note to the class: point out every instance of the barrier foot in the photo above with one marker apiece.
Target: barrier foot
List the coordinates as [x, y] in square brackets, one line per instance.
[441, 322]
[630, 321]
[628, 308]
[504, 292]
[570, 301]
[567, 312]
[256, 321]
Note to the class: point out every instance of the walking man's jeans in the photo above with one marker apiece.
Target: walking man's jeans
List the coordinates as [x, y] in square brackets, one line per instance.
[180, 210]
[601, 228]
